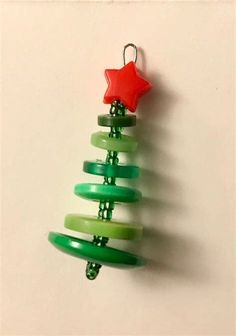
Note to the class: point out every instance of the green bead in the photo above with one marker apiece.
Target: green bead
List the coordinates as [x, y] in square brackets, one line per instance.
[108, 170]
[106, 192]
[116, 121]
[87, 250]
[124, 144]
[105, 228]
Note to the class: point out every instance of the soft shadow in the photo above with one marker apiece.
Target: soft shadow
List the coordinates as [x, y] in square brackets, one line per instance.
[169, 252]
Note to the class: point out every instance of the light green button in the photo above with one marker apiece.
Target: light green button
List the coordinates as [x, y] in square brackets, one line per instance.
[124, 144]
[105, 228]
[87, 250]
[106, 192]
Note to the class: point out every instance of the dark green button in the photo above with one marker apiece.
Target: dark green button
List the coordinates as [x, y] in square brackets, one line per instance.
[87, 250]
[106, 192]
[106, 169]
[116, 121]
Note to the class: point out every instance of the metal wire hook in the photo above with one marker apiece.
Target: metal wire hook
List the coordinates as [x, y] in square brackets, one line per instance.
[135, 52]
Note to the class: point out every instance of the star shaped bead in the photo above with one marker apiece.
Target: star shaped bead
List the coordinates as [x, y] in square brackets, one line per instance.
[125, 85]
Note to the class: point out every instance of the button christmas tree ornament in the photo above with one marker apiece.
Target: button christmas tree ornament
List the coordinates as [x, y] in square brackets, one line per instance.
[125, 87]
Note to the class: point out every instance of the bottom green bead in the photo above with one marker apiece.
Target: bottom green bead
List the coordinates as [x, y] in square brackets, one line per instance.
[87, 250]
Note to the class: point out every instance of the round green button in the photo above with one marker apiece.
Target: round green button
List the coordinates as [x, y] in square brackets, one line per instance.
[106, 192]
[105, 228]
[124, 144]
[116, 121]
[106, 169]
[87, 250]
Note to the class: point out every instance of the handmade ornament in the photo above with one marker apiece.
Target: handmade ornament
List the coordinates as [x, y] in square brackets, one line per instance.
[125, 87]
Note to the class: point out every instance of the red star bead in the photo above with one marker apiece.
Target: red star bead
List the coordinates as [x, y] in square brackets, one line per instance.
[125, 85]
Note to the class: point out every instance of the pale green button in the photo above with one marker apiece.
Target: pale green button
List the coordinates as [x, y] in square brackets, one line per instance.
[105, 228]
[124, 144]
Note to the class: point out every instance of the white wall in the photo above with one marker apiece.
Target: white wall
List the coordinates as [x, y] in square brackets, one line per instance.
[53, 57]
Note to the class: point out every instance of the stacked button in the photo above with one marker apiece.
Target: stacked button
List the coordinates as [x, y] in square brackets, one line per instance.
[125, 87]
[107, 194]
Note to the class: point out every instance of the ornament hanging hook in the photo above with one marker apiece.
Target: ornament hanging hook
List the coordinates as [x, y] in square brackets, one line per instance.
[135, 52]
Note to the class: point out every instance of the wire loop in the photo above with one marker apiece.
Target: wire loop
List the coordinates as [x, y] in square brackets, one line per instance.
[135, 52]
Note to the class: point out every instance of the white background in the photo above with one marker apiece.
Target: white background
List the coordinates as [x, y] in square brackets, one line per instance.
[53, 58]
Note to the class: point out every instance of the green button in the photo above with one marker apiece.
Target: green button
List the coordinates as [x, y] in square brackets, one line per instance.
[105, 228]
[124, 144]
[116, 121]
[106, 192]
[108, 170]
[87, 250]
